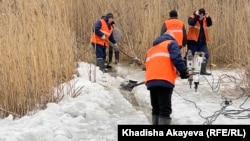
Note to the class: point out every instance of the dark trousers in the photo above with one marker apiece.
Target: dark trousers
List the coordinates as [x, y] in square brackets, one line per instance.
[161, 101]
[100, 51]
[111, 50]
[198, 47]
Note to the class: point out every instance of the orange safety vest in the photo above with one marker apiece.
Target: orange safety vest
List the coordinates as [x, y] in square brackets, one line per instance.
[194, 31]
[176, 27]
[107, 32]
[159, 66]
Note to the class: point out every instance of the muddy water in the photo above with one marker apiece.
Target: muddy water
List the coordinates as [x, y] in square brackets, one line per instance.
[131, 99]
[138, 106]
[129, 72]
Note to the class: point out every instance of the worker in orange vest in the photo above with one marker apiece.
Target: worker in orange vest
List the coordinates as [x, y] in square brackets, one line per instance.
[197, 37]
[102, 34]
[162, 63]
[177, 27]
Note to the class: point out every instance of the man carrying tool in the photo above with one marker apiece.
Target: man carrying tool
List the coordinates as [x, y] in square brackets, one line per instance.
[117, 33]
[102, 34]
[163, 59]
[197, 37]
[177, 27]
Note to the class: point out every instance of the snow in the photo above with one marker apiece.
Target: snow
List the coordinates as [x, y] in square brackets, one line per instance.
[101, 105]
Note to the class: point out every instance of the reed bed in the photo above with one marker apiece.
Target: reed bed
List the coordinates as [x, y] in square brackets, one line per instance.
[36, 54]
[42, 39]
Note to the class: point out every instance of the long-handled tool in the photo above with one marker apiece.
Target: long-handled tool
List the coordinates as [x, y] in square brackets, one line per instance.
[130, 57]
[133, 59]
[130, 85]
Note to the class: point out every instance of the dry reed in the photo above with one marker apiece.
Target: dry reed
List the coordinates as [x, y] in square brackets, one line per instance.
[42, 39]
[36, 53]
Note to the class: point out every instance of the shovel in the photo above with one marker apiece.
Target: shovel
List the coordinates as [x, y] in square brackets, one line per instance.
[128, 86]
[133, 59]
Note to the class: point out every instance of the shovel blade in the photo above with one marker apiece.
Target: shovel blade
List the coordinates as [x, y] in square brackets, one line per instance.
[128, 85]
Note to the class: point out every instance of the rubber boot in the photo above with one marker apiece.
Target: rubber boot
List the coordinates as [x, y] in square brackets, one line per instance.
[155, 119]
[204, 69]
[110, 56]
[107, 66]
[164, 121]
[100, 64]
[116, 57]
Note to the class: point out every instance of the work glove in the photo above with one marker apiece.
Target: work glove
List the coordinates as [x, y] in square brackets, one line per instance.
[103, 37]
[197, 13]
[206, 14]
[185, 74]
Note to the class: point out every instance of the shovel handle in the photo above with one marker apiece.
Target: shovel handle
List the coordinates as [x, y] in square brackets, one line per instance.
[130, 57]
[143, 82]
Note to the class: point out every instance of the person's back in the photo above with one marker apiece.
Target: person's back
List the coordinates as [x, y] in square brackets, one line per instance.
[177, 27]
[163, 59]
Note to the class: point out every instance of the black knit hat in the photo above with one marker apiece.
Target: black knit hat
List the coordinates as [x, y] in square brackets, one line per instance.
[202, 11]
[173, 13]
[110, 15]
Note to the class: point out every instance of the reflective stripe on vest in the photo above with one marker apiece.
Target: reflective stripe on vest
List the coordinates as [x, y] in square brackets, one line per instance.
[106, 33]
[175, 31]
[194, 31]
[159, 66]
[176, 27]
[197, 27]
[157, 55]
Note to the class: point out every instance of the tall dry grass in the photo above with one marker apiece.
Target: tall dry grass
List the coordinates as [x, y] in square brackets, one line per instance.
[42, 39]
[35, 55]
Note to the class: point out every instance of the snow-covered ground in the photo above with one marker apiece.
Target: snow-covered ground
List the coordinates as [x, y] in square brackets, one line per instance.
[95, 113]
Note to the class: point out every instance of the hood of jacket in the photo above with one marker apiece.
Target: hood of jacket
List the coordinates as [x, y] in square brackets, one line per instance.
[162, 38]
